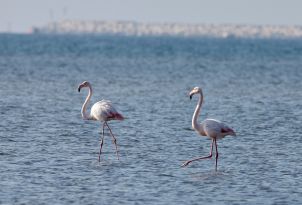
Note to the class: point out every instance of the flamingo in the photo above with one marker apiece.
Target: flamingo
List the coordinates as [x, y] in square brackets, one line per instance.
[211, 128]
[102, 111]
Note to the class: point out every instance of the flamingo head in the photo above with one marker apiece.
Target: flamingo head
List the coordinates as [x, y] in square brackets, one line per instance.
[195, 91]
[83, 84]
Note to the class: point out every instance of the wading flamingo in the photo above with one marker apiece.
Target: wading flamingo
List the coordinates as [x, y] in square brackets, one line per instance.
[102, 111]
[211, 128]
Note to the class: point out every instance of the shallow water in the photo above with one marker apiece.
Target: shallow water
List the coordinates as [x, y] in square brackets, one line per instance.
[48, 154]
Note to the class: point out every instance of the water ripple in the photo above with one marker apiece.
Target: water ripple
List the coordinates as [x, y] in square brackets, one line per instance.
[49, 155]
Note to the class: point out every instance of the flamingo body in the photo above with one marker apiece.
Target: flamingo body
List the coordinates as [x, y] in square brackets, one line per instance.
[104, 111]
[214, 129]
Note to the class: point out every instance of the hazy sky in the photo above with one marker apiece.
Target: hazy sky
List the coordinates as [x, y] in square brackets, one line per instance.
[20, 15]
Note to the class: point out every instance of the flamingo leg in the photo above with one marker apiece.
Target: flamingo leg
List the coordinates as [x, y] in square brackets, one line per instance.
[114, 140]
[199, 158]
[102, 142]
[216, 154]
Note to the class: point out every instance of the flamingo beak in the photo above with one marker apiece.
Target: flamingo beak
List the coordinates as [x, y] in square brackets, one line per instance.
[191, 94]
[79, 88]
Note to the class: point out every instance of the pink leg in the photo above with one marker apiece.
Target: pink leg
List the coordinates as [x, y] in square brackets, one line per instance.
[102, 141]
[216, 154]
[199, 158]
[114, 140]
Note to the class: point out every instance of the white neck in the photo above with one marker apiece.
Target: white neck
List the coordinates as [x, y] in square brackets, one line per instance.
[195, 124]
[84, 106]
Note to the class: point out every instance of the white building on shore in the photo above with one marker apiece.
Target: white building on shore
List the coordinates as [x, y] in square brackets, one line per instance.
[169, 29]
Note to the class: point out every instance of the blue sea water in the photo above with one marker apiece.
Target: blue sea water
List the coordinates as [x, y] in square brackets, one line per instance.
[49, 155]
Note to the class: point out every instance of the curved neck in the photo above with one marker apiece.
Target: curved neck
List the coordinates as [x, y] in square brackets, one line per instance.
[196, 112]
[84, 106]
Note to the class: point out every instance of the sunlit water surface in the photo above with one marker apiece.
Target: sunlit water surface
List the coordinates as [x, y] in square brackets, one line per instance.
[48, 154]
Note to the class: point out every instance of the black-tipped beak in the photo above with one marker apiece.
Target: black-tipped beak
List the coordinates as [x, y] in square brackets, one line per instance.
[79, 88]
[191, 97]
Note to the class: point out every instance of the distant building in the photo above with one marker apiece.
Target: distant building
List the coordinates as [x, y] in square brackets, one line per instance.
[130, 28]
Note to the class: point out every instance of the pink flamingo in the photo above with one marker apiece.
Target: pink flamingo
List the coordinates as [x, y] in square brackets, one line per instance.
[102, 111]
[211, 128]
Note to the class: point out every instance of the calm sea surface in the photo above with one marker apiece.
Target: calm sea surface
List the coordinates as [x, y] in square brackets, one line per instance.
[49, 155]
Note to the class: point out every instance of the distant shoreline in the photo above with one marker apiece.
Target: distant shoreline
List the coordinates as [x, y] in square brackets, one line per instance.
[131, 28]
